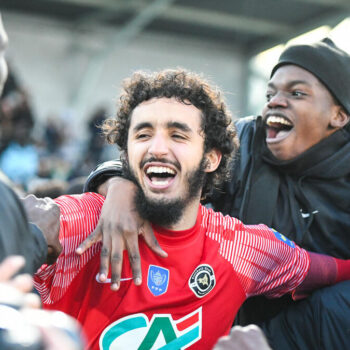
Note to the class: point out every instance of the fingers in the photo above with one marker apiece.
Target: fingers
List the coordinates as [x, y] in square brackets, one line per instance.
[23, 283]
[243, 338]
[10, 266]
[249, 338]
[116, 261]
[94, 237]
[31, 300]
[104, 261]
[151, 240]
[132, 245]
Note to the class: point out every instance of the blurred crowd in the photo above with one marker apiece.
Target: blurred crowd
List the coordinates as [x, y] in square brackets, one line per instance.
[37, 155]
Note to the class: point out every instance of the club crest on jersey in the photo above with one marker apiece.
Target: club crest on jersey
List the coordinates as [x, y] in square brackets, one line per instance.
[202, 280]
[157, 280]
[283, 238]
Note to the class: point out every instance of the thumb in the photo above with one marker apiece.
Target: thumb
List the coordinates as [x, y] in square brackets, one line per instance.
[147, 232]
[94, 237]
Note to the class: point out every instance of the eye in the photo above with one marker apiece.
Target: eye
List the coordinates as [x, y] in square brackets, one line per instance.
[142, 135]
[178, 136]
[298, 93]
[268, 95]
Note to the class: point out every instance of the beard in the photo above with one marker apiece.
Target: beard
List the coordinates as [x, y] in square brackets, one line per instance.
[165, 212]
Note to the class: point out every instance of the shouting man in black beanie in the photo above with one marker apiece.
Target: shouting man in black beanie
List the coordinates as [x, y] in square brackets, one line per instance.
[292, 173]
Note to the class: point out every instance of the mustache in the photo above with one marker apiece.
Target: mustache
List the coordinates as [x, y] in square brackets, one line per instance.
[160, 160]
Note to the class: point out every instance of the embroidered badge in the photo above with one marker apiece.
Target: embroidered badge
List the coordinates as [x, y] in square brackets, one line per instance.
[202, 280]
[157, 280]
[283, 238]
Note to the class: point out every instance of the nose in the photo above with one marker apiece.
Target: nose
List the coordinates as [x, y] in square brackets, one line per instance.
[159, 146]
[277, 100]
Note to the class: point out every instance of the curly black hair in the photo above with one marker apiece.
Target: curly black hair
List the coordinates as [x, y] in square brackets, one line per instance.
[187, 87]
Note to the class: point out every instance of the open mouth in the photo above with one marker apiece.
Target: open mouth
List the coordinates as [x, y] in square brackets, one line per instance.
[160, 175]
[277, 128]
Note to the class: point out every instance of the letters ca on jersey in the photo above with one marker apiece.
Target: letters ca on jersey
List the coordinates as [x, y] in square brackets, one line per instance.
[138, 332]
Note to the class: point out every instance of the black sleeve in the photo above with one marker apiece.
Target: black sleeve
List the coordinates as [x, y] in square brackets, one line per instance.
[102, 173]
[17, 237]
[40, 245]
[321, 321]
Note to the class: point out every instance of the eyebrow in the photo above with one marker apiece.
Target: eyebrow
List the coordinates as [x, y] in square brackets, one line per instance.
[140, 126]
[177, 125]
[170, 125]
[290, 83]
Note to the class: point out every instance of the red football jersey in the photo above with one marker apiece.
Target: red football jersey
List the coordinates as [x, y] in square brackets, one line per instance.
[187, 300]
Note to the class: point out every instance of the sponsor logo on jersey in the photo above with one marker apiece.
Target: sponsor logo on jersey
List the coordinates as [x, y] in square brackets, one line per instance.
[283, 238]
[202, 280]
[157, 280]
[161, 332]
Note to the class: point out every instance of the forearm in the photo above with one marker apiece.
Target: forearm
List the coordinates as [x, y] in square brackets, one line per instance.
[324, 271]
[103, 188]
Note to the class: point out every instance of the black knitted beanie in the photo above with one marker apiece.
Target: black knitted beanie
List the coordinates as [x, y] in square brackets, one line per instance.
[327, 62]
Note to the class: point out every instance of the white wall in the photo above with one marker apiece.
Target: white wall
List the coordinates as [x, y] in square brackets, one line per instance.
[52, 60]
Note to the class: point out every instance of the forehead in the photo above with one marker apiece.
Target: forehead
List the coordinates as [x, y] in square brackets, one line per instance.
[293, 74]
[160, 112]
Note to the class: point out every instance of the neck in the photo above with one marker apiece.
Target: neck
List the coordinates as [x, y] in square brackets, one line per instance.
[188, 219]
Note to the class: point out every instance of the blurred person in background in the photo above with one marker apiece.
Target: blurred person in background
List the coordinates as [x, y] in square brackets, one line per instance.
[23, 326]
[94, 145]
[96, 141]
[19, 160]
[24, 247]
[51, 188]
[292, 173]
[17, 236]
[53, 134]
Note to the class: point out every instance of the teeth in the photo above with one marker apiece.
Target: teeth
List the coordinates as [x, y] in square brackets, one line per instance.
[279, 120]
[159, 182]
[160, 170]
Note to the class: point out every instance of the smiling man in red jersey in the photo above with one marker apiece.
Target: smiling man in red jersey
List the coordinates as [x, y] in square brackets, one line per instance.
[177, 142]
[292, 173]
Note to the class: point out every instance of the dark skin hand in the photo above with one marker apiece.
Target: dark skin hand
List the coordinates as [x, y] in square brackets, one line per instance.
[118, 228]
[45, 213]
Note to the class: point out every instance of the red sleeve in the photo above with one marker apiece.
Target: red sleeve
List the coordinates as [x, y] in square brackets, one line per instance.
[324, 271]
[79, 217]
[266, 262]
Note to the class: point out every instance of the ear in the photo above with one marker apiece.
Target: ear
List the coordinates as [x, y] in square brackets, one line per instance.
[213, 159]
[340, 118]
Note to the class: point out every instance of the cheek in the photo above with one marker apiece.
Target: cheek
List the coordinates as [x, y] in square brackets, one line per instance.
[264, 110]
[309, 135]
[136, 153]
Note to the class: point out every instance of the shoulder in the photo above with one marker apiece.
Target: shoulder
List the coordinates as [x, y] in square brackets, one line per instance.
[245, 125]
[219, 226]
